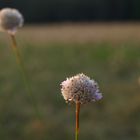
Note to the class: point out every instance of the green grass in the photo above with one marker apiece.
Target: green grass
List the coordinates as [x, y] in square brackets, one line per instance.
[115, 67]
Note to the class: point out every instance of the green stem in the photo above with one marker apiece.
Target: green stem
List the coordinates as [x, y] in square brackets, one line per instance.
[77, 121]
[24, 75]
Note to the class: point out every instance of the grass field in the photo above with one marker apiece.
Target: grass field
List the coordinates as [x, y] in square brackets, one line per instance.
[108, 53]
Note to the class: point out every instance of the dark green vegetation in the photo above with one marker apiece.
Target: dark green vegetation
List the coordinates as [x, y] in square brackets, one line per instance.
[76, 10]
[115, 67]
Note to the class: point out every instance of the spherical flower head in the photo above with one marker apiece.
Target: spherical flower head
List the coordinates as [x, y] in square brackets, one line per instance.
[10, 20]
[80, 88]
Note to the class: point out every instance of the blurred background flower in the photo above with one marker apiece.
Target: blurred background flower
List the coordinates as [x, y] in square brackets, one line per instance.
[10, 20]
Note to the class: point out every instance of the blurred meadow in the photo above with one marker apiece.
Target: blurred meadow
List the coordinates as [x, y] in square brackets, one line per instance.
[107, 52]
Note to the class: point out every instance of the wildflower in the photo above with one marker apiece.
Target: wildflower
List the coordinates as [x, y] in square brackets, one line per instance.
[80, 88]
[10, 20]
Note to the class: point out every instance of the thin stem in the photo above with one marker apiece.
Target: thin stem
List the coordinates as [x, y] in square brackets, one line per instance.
[77, 120]
[24, 75]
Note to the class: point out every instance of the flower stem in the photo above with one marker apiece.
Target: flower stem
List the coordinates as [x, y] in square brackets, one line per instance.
[24, 75]
[77, 121]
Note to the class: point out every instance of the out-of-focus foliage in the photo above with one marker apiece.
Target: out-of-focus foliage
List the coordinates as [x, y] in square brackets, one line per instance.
[116, 68]
[76, 10]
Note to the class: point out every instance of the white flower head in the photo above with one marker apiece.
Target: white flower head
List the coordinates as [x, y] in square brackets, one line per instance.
[80, 88]
[10, 20]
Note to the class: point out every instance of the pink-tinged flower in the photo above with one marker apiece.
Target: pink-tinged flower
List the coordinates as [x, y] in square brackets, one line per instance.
[80, 88]
[10, 20]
